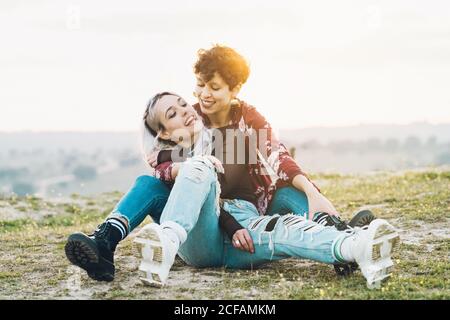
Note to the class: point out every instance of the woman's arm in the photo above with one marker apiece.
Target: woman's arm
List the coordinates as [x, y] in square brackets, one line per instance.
[317, 202]
[165, 168]
[158, 157]
[228, 223]
[303, 184]
[287, 169]
[167, 171]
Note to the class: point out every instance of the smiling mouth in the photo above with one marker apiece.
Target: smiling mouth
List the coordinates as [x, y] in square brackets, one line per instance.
[190, 120]
[207, 104]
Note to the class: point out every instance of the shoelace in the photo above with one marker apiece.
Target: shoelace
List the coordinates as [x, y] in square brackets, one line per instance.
[321, 218]
[102, 230]
[325, 219]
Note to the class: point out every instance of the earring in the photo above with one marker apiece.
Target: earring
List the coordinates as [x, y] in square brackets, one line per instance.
[234, 103]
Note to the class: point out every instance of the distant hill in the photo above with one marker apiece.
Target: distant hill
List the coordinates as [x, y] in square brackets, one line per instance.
[89, 141]
[423, 131]
[82, 141]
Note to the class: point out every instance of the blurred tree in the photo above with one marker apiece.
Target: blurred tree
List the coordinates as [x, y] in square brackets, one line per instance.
[373, 144]
[442, 158]
[431, 142]
[13, 153]
[310, 144]
[84, 172]
[131, 161]
[412, 143]
[341, 146]
[70, 160]
[391, 145]
[13, 173]
[37, 151]
[62, 185]
[23, 188]
[9, 173]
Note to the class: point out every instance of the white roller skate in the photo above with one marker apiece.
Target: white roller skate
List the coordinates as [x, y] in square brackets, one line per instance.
[372, 251]
[158, 253]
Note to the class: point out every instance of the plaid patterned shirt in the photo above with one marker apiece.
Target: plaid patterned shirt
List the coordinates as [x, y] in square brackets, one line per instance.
[274, 167]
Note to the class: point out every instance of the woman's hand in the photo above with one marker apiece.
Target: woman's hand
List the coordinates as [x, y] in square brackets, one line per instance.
[243, 241]
[317, 202]
[152, 159]
[217, 163]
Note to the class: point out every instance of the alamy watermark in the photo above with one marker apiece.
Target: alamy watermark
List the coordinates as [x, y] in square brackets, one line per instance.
[232, 146]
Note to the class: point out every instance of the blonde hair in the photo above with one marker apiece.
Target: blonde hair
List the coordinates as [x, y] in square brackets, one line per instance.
[151, 129]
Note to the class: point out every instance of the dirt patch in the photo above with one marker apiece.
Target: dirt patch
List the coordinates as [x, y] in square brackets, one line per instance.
[416, 232]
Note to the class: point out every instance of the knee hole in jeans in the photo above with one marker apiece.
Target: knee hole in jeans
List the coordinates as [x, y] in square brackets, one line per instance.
[197, 171]
[271, 224]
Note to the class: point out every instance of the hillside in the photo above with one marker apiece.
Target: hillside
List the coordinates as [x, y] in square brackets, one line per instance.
[89, 163]
[33, 233]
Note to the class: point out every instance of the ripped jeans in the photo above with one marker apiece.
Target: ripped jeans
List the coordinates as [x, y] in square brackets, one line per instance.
[148, 196]
[193, 204]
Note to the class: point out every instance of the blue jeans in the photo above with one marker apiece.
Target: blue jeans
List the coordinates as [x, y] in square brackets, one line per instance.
[147, 196]
[193, 204]
[288, 200]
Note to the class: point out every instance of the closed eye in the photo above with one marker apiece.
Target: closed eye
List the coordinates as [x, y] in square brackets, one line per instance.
[170, 113]
[181, 102]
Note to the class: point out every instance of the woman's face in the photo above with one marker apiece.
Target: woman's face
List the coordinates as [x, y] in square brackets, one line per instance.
[179, 119]
[214, 95]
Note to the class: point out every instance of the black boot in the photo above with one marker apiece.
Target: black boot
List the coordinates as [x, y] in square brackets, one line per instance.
[361, 219]
[325, 219]
[94, 253]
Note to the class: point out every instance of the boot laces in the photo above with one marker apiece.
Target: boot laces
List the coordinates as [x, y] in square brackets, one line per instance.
[102, 230]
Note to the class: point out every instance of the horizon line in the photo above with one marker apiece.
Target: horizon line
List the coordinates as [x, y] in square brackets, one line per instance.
[274, 128]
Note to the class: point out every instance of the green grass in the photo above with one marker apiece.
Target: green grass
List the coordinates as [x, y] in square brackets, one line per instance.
[33, 264]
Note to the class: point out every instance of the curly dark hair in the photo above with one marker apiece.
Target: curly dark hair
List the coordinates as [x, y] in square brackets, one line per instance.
[230, 65]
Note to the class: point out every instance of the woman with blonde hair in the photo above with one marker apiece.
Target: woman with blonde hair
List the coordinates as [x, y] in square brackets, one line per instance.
[274, 182]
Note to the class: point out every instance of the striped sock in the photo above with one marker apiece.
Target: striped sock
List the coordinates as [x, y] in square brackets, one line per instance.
[343, 250]
[321, 218]
[119, 225]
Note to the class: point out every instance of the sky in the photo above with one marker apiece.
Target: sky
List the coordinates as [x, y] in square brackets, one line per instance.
[92, 65]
